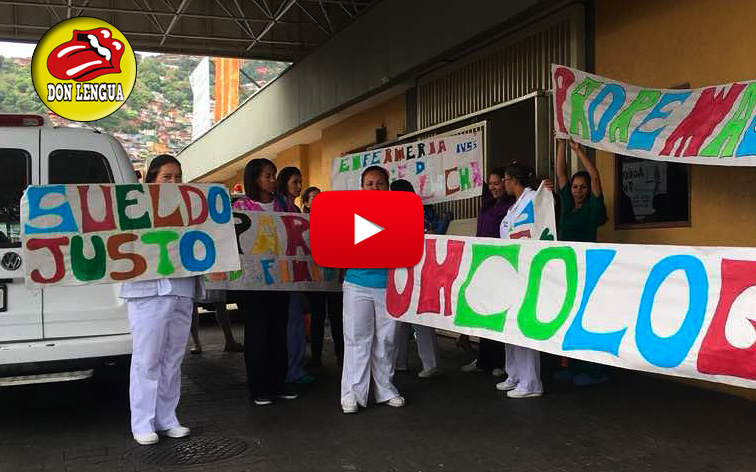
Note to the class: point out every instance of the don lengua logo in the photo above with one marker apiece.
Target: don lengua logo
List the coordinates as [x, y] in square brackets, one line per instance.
[83, 69]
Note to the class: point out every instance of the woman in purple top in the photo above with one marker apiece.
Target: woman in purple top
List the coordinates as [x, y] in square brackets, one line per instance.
[493, 208]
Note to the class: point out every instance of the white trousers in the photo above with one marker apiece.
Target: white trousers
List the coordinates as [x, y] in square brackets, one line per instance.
[524, 366]
[369, 345]
[160, 329]
[427, 345]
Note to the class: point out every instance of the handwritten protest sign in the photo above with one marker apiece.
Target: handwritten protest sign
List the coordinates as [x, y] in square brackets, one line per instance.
[712, 125]
[441, 169]
[275, 255]
[93, 233]
[679, 311]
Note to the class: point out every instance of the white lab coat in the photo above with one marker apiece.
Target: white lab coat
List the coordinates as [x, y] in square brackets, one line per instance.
[522, 364]
[160, 317]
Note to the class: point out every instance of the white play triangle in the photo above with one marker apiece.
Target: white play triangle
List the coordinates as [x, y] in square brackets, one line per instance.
[364, 229]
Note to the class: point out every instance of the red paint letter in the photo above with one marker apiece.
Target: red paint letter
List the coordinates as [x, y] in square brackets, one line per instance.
[301, 271]
[397, 303]
[54, 246]
[716, 355]
[295, 228]
[88, 223]
[436, 277]
[708, 111]
[563, 79]
[199, 219]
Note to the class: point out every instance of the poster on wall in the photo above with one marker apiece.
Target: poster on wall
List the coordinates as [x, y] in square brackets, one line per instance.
[440, 169]
[683, 311]
[713, 125]
[275, 255]
[105, 233]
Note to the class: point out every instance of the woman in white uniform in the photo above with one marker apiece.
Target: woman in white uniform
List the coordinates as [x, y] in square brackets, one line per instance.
[369, 332]
[523, 365]
[160, 317]
[427, 347]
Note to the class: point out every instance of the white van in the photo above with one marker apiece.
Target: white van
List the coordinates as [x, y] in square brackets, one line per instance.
[58, 333]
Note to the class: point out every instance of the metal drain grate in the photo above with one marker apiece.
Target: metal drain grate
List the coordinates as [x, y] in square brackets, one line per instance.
[190, 451]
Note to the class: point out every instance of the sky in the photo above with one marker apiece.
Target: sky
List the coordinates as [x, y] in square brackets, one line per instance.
[25, 49]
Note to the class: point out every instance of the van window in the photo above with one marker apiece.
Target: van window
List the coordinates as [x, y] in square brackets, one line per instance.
[16, 166]
[79, 167]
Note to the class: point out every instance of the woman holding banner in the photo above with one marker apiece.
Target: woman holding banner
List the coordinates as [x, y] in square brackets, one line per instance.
[369, 332]
[266, 313]
[323, 304]
[582, 212]
[160, 316]
[494, 206]
[523, 365]
[427, 346]
[288, 188]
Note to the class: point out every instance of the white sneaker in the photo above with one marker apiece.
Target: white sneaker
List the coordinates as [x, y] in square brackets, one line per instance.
[176, 432]
[505, 386]
[471, 367]
[396, 402]
[522, 393]
[428, 373]
[497, 372]
[146, 439]
[349, 404]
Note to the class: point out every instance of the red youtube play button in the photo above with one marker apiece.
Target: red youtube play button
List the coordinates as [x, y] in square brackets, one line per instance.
[366, 229]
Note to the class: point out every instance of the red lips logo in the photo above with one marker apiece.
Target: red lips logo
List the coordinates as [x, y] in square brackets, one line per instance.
[89, 54]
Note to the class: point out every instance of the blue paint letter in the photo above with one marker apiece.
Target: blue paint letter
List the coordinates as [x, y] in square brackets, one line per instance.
[224, 216]
[186, 250]
[671, 351]
[577, 337]
[34, 196]
[747, 146]
[618, 99]
[266, 263]
[645, 139]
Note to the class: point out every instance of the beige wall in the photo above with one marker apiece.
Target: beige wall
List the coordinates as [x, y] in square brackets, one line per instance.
[665, 43]
[315, 159]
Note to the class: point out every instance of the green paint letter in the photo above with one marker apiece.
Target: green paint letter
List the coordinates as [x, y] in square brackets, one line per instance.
[645, 100]
[468, 317]
[724, 144]
[526, 318]
[578, 119]
[162, 238]
[87, 269]
[126, 222]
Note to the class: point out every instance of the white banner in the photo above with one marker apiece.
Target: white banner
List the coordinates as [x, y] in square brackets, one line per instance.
[441, 169]
[275, 255]
[683, 311]
[104, 233]
[711, 125]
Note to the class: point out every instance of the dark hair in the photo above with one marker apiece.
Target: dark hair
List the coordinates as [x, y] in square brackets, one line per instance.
[156, 164]
[307, 192]
[521, 173]
[373, 169]
[500, 172]
[582, 175]
[282, 182]
[402, 185]
[252, 171]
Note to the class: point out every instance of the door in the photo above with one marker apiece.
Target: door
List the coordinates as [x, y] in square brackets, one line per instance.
[20, 309]
[75, 157]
